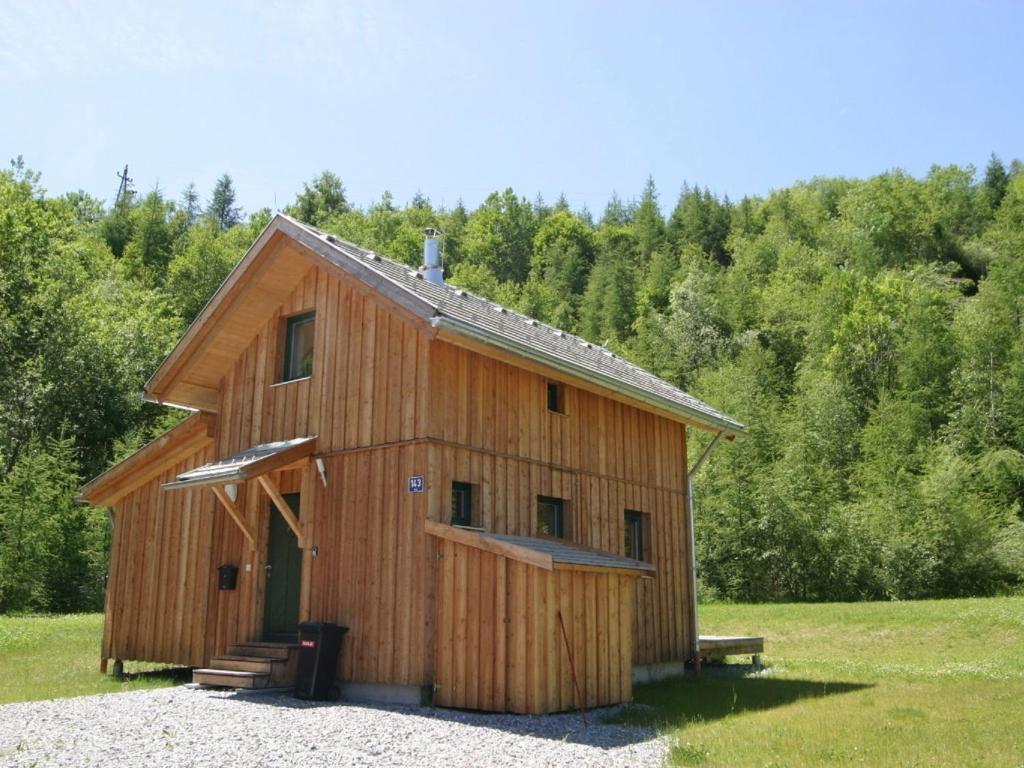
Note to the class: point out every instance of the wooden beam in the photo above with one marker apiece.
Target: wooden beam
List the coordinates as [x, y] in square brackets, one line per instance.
[167, 449]
[206, 399]
[236, 515]
[639, 573]
[282, 459]
[282, 506]
[487, 544]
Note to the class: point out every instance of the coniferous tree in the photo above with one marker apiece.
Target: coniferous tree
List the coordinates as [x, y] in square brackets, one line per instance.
[190, 203]
[648, 223]
[222, 209]
[996, 180]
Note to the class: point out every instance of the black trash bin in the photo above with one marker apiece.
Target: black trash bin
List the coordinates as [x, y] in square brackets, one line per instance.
[319, 645]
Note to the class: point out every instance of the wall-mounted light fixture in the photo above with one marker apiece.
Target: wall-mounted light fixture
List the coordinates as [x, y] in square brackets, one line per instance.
[320, 469]
[232, 491]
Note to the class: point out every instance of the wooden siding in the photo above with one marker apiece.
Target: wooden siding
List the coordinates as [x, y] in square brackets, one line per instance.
[483, 403]
[499, 644]
[162, 602]
[372, 568]
[602, 456]
[369, 381]
[387, 402]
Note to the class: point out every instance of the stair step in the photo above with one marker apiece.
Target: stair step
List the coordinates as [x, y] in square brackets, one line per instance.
[264, 650]
[260, 664]
[225, 678]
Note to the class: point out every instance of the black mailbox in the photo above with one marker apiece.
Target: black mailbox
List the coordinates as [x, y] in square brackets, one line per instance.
[228, 576]
[319, 646]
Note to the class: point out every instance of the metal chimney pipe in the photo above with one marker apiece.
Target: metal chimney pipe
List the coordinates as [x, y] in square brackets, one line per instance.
[433, 271]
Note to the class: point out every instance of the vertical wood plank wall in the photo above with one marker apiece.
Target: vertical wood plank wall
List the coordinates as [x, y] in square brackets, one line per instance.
[388, 403]
[523, 665]
[601, 455]
[371, 573]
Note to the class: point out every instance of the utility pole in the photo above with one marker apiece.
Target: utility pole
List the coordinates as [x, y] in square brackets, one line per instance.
[124, 190]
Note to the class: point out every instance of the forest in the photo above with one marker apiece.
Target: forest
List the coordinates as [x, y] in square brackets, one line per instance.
[869, 332]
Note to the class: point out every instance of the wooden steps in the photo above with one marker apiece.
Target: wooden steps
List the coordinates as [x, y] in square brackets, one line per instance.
[226, 678]
[263, 649]
[251, 665]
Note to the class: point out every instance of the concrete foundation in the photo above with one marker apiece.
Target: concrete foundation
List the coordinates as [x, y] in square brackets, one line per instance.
[650, 673]
[382, 693]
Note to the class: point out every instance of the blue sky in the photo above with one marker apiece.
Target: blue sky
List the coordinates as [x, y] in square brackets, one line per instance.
[459, 99]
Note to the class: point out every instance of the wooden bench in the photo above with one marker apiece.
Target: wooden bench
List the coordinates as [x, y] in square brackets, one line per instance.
[714, 648]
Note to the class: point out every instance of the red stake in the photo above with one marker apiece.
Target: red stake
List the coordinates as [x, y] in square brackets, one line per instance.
[572, 668]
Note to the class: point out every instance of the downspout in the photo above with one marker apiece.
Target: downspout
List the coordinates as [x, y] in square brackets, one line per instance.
[693, 546]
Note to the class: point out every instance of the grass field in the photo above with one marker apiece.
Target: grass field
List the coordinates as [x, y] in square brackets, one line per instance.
[44, 657]
[873, 684]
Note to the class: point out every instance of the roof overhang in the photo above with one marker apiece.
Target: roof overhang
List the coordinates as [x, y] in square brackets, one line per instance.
[546, 553]
[266, 275]
[248, 464]
[727, 427]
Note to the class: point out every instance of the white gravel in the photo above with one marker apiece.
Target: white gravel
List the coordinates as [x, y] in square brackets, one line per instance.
[193, 727]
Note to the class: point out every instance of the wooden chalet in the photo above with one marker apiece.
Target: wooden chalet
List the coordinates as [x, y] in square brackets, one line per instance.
[497, 510]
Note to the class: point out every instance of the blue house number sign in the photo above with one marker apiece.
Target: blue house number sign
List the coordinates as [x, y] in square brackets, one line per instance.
[416, 484]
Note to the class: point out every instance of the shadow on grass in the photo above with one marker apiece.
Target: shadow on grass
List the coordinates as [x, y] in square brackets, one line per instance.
[719, 694]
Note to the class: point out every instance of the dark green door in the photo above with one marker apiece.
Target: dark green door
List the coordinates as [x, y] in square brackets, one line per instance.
[284, 572]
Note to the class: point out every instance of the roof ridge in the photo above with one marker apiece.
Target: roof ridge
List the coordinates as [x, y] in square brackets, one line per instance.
[457, 289]
[530, 336]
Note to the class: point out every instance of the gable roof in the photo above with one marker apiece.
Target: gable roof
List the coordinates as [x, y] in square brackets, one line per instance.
[455, 311]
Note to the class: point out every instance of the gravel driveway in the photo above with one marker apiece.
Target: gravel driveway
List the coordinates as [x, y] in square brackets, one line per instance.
[193, 727]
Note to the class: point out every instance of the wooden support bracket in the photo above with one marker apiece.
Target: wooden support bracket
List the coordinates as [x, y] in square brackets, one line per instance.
[282, 506]
[236, 515]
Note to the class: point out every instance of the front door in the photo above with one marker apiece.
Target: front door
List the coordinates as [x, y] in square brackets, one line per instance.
[284, 572]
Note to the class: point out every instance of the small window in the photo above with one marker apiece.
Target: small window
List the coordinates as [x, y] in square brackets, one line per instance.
[462, 504]
[556, 397]
[550, 516]
[636, 535]
[298, 347]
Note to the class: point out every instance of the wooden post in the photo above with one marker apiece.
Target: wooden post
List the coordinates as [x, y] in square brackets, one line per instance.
[236, 515]
[282, 506]
[309, 489]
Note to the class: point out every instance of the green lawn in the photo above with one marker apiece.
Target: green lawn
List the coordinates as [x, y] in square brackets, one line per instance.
[871, 684]
[45, 657]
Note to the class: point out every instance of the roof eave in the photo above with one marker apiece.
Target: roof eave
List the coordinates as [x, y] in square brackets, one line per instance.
[730, 428]
[154, 385]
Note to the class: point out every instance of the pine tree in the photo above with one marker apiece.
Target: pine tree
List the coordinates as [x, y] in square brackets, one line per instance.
[648, 223]
[190, 203]
[222, 209]
[996, 181]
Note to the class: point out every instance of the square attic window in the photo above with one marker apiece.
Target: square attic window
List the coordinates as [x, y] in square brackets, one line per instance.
[298, 347]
